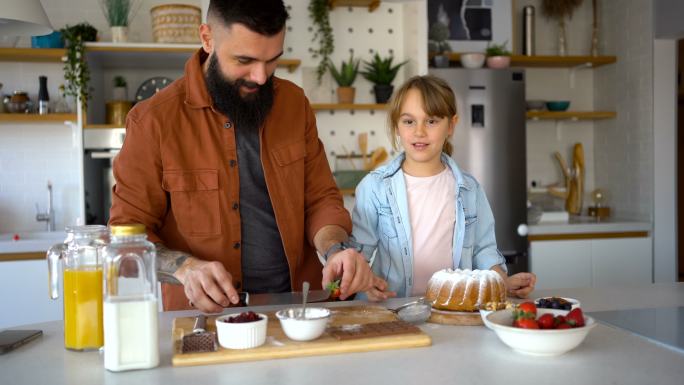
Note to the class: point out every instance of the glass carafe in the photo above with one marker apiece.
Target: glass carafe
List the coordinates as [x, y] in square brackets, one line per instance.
[80, 259]
[130, 300]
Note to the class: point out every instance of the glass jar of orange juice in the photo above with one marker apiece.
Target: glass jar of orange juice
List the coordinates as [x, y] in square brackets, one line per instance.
[80, 259]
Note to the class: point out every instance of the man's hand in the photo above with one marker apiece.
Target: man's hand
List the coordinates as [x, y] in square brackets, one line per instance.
[378, 292]
[521, 284]
[208, 285]
[352, 267]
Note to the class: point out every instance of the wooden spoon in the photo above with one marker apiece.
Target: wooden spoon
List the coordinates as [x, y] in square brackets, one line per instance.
[363, 146]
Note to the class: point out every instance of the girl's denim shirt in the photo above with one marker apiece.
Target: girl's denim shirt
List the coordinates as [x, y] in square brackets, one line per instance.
[382, 225]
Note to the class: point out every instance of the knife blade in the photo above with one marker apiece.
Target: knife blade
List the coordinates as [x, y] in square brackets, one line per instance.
[287, 298]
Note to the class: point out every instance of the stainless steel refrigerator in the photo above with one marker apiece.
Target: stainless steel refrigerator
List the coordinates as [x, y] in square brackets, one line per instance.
[489, 143]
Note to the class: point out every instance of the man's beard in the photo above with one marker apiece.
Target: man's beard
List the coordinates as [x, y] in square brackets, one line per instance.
[247, 112]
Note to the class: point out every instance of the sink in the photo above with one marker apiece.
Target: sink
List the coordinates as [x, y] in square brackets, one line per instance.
[30, 241]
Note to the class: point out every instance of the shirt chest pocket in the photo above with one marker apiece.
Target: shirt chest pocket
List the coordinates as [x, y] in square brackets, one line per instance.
[194, 200]
[290, 154]
[386, 222]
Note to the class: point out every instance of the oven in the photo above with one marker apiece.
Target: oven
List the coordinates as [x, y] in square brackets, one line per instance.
[100, 147]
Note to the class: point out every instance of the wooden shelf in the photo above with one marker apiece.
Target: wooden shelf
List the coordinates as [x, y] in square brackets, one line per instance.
[136, 55]
[572, 115]
[355, 106]
[101, 126]
[35, 118]
[31, 55]
[550, 61]
[371, 4]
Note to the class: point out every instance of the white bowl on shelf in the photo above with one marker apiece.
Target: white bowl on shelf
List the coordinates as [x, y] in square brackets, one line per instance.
[538, 342]
[473, 59]
[244, 335]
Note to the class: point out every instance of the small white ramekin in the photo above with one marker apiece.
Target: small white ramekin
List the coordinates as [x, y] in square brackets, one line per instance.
[241, 335]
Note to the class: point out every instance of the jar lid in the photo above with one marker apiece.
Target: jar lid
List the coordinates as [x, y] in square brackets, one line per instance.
[20, 92]
[132, 229]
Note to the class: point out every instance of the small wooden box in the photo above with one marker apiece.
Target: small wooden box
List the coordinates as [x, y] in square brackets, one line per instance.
[598, 212]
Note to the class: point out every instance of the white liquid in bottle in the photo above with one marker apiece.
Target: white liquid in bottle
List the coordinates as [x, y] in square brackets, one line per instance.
[131, 338]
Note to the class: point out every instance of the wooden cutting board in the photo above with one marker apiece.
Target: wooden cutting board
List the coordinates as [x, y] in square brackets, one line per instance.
[279, 346]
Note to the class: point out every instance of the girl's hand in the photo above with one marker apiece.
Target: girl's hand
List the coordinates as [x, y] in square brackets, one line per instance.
[521, 284]
[378, 293]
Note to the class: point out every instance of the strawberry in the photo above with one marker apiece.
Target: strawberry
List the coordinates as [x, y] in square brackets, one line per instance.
[564, 325]
[546, 321]
[575, 318]
[528, 323]
[559, 319]
[334, 289]
[526, 310]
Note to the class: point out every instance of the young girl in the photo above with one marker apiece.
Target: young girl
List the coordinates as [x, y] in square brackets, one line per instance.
[420, 212]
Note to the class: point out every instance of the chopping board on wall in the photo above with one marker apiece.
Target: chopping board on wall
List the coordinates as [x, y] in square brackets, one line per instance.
[279, 346]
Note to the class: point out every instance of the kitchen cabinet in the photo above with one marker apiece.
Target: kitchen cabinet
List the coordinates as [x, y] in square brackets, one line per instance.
[591, 262]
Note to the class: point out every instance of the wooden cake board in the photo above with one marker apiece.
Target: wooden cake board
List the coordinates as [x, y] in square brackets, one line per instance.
[446, 317]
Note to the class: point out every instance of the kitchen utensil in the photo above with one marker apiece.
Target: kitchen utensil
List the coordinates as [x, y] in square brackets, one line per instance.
[363, 146]
[305, 292]
[200, 340]
[560, 105]
[536, 342]
[306, 326]
[414, 312]
[242, 335]
[288, 298]
[281, 347]
[377, 157]
[347, 155]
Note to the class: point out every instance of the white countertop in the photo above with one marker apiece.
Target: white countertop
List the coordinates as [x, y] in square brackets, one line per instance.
[30, 241]
[588, 225]
[459, 354]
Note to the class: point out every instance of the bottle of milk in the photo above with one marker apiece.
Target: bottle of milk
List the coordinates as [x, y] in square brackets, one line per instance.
[130, 300]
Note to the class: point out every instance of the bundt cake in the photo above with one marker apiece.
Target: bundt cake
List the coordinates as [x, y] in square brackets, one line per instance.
[465, 290]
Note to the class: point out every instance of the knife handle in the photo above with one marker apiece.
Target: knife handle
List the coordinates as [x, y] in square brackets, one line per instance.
[200, 324]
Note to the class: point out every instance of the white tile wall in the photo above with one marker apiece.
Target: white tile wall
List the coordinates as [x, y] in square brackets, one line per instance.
[624, 146]
[30, 155]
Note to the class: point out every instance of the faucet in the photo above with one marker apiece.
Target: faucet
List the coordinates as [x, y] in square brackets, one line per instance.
[49, 216]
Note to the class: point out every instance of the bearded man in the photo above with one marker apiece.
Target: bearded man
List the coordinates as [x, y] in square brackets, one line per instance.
[225, 169]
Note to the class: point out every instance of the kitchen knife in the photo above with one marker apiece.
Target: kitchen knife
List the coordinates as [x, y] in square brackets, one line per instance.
[288, 298]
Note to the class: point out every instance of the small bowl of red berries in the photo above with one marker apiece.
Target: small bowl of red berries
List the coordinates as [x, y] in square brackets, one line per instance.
[538, 331]
[241, 331]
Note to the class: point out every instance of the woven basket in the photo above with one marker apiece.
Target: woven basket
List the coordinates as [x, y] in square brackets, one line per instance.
[176, 23]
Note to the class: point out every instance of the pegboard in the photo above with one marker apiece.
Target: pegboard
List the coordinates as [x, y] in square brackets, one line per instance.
[364, 33]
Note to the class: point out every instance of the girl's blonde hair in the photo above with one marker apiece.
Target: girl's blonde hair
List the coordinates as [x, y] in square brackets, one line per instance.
[438, 100]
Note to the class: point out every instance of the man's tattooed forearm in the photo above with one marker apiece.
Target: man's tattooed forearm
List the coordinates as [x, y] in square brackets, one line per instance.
[168, 261]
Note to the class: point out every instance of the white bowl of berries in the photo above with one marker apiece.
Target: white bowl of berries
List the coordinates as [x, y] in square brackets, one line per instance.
[540, 332]
[241, 331]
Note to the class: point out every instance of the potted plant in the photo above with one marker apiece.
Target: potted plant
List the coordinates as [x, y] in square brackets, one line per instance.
[76, 71]
[438, 44]
[118, 14]
[381, 73]
[120, 90]
[345, 77]
[319, 12]
[498, 56]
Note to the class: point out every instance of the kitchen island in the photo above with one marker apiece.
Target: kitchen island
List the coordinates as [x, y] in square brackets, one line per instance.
[459, 354]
